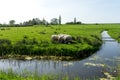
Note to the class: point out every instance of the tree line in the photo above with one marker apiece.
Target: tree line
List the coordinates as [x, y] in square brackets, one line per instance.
[37, 21]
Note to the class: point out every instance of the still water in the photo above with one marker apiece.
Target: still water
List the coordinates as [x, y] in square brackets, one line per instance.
[103, 61]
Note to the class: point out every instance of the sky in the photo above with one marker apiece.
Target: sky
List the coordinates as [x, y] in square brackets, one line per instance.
[86, 11]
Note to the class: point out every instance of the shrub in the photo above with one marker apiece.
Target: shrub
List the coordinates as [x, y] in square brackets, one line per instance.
[44, 43]
[2, 28]
[5, 46]
[25, 37]
[79, 39]
[27, 41]
[33, 41]
[22, 49]
[5, 41]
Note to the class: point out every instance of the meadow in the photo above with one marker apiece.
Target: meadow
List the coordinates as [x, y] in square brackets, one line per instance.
[36, 40]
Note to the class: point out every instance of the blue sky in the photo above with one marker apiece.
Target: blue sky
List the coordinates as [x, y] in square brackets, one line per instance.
[87, 11]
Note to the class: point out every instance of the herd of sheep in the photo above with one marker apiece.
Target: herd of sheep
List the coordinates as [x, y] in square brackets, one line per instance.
[62, 38]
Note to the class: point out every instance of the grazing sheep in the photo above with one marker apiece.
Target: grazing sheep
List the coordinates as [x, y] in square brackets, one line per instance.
[62, 38]
[67, 39]
[54, 37]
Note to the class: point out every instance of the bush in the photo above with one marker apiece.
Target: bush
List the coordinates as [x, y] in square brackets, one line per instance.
[5, 41]
[32, 47]
[22, 49]
[79, 39]
[27, 41]
[5, 46]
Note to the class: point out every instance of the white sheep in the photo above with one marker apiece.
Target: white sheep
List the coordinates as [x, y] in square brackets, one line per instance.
[54, 37]
[67, 38]
[62, 38]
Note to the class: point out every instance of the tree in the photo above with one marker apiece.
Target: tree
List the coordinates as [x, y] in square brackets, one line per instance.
[75, 20]
[0, 25]
[54, 21]
[12, 22]
[44, 22]
[36, 21]
[79, 22]
[59, 20]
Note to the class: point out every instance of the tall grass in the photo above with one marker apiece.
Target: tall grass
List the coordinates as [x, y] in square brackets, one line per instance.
[10, 75]
[44, 48]
[25, 75]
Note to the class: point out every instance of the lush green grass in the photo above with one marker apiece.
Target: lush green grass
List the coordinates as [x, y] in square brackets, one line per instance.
[10, 75]
[44, 33]
[36, 40]
[115, 33]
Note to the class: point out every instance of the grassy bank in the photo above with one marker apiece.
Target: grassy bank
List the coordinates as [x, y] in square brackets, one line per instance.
[10, 75]
[115, 33]
[36, 40]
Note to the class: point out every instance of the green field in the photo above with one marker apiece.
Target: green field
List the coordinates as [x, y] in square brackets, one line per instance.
[36, 40]
[44, 33]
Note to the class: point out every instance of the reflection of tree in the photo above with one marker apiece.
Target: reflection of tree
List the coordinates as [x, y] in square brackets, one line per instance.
[36, 68]
[14, 64]
[54, 64]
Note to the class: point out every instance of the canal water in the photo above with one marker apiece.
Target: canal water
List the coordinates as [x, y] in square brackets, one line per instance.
[104, 61]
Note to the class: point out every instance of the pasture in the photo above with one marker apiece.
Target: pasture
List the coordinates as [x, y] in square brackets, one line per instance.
[44, 33]
[36, 40]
